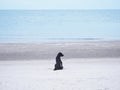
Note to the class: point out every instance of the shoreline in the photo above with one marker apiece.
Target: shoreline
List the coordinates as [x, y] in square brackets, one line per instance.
[85, 49]
[59, 41]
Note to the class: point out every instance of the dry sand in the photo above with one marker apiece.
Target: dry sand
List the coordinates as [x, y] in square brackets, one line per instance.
[87, 66]
[78, 74]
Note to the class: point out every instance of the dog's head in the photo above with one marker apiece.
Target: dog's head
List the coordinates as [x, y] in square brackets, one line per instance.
[60, 54]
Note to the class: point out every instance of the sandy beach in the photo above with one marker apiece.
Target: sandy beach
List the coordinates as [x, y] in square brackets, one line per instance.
[87, 66]
[29, 51]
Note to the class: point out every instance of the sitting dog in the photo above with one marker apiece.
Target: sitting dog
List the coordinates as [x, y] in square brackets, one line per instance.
[58, 65]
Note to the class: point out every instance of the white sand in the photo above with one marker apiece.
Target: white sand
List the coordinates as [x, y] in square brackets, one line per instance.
[30, 66]
[78, 74]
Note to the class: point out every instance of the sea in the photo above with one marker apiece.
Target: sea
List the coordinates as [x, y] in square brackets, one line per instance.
[59, 25]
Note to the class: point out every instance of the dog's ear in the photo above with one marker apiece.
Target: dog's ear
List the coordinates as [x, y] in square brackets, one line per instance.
[60, 54]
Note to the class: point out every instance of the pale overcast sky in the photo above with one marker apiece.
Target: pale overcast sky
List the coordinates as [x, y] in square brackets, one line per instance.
[59, 4]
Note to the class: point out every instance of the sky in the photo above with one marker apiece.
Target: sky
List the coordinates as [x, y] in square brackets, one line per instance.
[59, 4]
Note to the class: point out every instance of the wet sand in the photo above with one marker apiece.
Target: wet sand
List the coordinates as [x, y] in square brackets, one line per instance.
[29, 51]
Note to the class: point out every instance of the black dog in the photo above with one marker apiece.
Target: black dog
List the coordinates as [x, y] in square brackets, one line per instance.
[58, 65]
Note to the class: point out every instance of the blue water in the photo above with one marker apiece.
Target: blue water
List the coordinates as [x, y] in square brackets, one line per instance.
[59, 25]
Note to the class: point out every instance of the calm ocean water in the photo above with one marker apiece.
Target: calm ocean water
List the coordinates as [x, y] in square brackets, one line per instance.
[59, 25]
